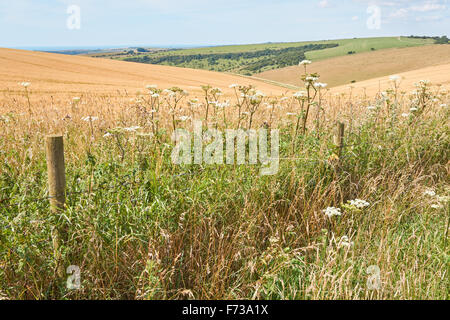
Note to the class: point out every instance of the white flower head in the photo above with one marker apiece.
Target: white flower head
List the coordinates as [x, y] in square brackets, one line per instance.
[225, 104]
[320, 85]
[25, 84]
[234, 85]
[184, 118]
[358, 203]
[300, 94]
[345, 242]
[132, 129]
[429, 192]
[332, 211]
[305, 62]
[311, 79]
[89, 118]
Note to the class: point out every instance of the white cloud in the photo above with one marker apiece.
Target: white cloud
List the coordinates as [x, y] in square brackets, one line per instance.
[428, 7]
[323, 4]
[399, 13]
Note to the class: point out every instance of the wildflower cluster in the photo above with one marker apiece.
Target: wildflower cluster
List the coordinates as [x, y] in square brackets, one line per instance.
[358, 203]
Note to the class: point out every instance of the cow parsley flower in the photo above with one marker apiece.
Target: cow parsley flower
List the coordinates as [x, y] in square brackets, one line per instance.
[184, 118]
[311, 79]
[300, 94]
[320, 85]
[234, 85]
[358, 203]
[332, 211]
[305, 62]
[89, 118]
[25, 84]
[132, 129]
[429, 192]
[345, 242]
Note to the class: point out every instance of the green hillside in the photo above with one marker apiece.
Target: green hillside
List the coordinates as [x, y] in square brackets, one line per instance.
[255, 58]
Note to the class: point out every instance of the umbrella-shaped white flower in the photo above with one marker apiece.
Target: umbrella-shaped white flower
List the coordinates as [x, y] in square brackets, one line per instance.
[332, 211]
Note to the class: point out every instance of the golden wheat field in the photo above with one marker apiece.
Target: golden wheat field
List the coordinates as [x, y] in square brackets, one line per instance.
[59, 75]
[341, 71]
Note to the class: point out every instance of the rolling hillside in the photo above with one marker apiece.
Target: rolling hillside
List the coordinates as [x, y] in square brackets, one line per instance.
[343, 70]
[255, 58]
[438, 75]
[54, 74]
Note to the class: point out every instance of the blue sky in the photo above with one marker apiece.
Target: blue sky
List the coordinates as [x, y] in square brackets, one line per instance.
[43, 23]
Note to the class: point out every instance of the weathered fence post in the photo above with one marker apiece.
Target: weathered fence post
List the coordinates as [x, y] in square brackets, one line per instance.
[57, 190]
[56, 172]
[340, 138]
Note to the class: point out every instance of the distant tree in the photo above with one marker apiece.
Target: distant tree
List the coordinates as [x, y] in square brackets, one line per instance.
[442, 40]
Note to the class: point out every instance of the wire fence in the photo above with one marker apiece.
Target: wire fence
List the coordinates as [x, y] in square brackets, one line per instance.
[104, 186]
[4, 202]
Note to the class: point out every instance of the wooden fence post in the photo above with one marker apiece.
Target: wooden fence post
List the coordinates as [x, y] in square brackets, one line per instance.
[57, 191]
[56, 172]
[340, 138]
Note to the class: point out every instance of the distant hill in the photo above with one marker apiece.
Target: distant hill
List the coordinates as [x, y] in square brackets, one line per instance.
[438, 75]
[256, 58]
[358, 67]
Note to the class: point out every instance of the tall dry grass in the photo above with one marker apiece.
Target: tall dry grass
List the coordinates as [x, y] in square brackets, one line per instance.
[140, 227]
